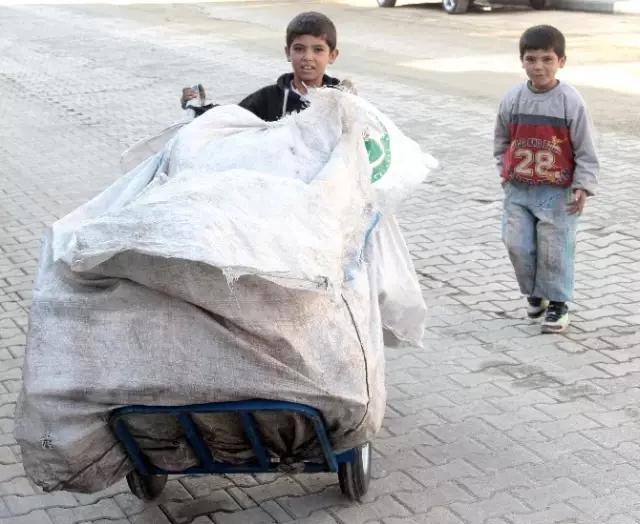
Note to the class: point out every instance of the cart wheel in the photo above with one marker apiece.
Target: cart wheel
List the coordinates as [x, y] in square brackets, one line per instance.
[354, 477]
[146, 487]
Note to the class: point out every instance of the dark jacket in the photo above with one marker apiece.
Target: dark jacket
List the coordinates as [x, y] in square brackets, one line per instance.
[271, 103]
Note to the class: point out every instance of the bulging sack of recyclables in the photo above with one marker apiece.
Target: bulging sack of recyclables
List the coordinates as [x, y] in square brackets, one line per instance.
[238, 262]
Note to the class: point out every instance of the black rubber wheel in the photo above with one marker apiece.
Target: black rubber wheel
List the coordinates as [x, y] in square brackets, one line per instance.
[355, 478]
[456, 7]
[146, 487]
[387, 3]
[540, 4]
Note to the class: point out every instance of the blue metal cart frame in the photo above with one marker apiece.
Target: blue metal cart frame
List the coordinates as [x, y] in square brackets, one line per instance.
[147, 481]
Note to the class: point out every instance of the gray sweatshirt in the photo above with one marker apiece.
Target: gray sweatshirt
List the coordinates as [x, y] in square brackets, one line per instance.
[546, 138]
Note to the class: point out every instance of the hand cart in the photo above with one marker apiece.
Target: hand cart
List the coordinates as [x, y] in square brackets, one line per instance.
[147, 481]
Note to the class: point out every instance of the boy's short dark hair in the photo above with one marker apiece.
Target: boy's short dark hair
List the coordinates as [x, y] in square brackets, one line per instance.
[542, 37]
[314, 24]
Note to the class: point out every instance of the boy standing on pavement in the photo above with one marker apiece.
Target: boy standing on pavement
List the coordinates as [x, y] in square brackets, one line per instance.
[311, 46]
[545, 150]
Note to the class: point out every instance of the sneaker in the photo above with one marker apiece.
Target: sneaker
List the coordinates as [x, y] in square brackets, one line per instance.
[537, 307]
[557, 318]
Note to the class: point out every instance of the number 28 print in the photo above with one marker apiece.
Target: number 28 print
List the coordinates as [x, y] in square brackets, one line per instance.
[530, 163]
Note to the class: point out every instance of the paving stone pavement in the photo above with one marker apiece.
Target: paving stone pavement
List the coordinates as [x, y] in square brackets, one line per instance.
[491, 423]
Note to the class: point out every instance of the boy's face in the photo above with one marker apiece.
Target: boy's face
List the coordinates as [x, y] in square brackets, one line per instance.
[310, 56]
[541, 67]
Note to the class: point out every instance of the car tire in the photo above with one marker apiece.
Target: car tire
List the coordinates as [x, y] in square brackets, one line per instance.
[457, 7]
[386, 3]
[540, 4]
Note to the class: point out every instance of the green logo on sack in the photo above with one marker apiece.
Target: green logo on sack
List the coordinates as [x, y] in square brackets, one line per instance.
[379, 151]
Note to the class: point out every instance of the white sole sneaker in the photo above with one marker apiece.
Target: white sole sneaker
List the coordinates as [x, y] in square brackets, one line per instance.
[534, 312]
[557, 326]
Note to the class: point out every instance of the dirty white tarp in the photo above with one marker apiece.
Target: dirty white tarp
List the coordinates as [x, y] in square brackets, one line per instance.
[238, 262]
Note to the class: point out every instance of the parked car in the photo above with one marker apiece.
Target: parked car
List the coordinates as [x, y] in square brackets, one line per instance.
[456, 7]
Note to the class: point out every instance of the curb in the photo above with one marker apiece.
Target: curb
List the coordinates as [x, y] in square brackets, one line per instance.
[626, 7]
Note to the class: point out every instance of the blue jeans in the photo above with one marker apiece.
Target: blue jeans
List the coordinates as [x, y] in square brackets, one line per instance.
[540, 237]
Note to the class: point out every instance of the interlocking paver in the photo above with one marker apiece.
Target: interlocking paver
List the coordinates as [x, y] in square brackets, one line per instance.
[394, 482]
[104, 509]
[319, 517]
[599, 508]
[496, 506]
[443, 494]
[560, 490]
[456, 470]
[39, 517]
[489, 423]
[153, 516]
[302, 507]
[399, 462]
[555, 513]
[22, 505]
[281, 487]
[185, 511]
[435, 516]
[276, 512]
[506, 479]
[248, 516]
[377, 510]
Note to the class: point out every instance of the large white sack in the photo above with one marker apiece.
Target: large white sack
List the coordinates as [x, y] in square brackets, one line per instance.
[402, 308]
[291, 211]
[139, 152]
[122, 316]
[398, 166]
